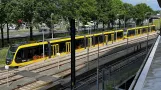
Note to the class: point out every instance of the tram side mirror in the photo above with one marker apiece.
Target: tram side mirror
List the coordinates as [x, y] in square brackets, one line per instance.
[159, 1]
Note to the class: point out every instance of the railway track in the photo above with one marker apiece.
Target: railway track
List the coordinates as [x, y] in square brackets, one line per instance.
[78, 57]
[112, 68]
[64, 60]
[40, 68]
[64, 73]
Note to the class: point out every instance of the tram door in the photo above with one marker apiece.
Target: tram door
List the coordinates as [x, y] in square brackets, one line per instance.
[55, 49]
[106, 39]
[141, 31]
[116, 35]
[103, 39]
[112, 38]
[68, 47]
[136, 31]
[90, 42]
[150, 29]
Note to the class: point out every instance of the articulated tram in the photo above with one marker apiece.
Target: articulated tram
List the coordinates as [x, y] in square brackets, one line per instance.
[27, 53]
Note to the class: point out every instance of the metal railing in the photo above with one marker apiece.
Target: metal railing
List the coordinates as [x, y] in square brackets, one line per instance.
[141, 68]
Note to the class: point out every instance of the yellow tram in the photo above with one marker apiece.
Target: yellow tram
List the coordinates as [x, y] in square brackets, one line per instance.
[28, 53]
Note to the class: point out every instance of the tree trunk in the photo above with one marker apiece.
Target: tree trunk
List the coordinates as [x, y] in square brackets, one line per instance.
[7, 33]
[78, 27]
[103, 25]
[108, 25]
[119, 24]
[94, 26]
[53, 32]
[50, 33]
[112, 24]
[2, 39]
[97, 25]
[125, 24]
[31, 32]
[50, 30]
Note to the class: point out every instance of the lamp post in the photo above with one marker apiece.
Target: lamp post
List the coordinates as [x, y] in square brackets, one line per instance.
[135, 25]
[116, 26]
[148, 33]
[147, 14]
[90, 29]
[52, 25]
[72, 28]
[148, 17]
[43, 44]
[124, 22]
[7, 68]
[98, 66]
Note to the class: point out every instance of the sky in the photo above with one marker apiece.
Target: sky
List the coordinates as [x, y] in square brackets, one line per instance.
[152, 3]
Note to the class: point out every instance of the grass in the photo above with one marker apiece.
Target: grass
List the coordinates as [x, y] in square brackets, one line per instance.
[3, 53]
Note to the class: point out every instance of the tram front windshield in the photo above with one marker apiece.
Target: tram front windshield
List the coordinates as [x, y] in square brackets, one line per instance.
[11, 53]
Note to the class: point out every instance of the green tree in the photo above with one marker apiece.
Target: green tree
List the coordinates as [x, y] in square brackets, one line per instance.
[9, 7]
[44, 10]
[129, 12]
[115, 8]
[141, 10]
[102, 11]
[25, 10]
[2, 19]
[156, 12]
[82, 9]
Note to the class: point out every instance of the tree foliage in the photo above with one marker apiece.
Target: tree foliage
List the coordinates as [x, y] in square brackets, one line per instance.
[129, 11]
[42, 11]
[140, 12]
[83, 9]
[38, 11]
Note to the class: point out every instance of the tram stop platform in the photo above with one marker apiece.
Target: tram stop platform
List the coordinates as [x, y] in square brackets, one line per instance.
[149, 74]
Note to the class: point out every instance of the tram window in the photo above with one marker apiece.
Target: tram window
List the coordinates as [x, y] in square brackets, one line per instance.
[35, 51]
[100, 39]
[62, 47]
[96, 40]
[20, 56]
[46, 50]
[153, 28]
[28, 53]
[144, 30]
[38, 51]
[13, 48]
[79, 43]
[119, 35]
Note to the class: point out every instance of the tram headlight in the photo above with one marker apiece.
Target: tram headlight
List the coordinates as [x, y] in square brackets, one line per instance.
[8, 61]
